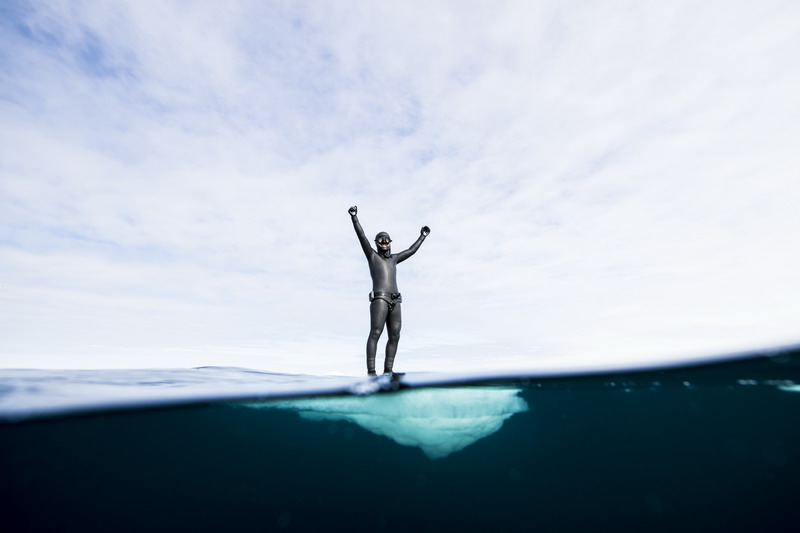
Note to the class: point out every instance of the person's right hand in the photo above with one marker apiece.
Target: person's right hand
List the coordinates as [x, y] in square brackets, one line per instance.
[353, 211]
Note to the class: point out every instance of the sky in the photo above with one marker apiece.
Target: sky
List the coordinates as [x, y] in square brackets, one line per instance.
[605, 182]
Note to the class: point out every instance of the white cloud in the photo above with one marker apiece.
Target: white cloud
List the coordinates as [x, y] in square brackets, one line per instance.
[614, 180]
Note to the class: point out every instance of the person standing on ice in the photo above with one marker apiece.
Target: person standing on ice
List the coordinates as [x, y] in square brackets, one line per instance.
[385, 299]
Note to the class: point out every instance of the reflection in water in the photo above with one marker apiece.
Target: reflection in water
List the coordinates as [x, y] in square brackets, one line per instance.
[440, 421]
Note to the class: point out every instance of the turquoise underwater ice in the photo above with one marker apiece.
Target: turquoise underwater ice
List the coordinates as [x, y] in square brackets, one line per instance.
[439, 421]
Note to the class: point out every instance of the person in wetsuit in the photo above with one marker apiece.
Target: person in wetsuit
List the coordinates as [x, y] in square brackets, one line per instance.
[385, 299]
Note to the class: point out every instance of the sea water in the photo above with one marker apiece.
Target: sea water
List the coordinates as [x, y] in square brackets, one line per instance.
[701, 448]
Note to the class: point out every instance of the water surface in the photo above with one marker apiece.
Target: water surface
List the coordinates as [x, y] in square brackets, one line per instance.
[705, 448]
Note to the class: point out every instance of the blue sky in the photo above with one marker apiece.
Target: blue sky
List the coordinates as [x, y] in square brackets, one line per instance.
[605, 181]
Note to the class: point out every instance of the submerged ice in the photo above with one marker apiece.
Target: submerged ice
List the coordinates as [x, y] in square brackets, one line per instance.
[439, 421]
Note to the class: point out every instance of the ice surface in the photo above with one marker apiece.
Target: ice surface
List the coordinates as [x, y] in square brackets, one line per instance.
[439, 421]
[29, 394]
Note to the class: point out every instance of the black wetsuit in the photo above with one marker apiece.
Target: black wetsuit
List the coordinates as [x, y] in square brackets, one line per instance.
[385, 300]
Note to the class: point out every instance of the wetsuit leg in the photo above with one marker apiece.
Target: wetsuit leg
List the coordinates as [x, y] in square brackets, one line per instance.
[378, 310]
[394, 321]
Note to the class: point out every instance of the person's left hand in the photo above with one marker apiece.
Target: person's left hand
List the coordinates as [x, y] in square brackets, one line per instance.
[425, 231]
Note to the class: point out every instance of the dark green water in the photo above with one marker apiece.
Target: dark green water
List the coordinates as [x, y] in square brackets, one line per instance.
[639, 452]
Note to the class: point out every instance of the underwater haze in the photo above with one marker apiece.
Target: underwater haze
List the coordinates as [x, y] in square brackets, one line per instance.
[712, 447]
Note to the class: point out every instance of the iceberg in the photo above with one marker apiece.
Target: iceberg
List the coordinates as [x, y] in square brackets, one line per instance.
[439, 421]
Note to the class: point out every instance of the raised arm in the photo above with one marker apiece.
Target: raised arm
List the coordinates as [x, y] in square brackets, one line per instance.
[360, 231]
[405, 254]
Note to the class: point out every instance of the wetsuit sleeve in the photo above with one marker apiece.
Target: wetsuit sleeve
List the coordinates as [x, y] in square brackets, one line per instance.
[405, 254]
[361, 237]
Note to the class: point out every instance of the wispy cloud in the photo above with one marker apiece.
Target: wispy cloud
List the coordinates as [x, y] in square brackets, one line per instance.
[602, 180]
